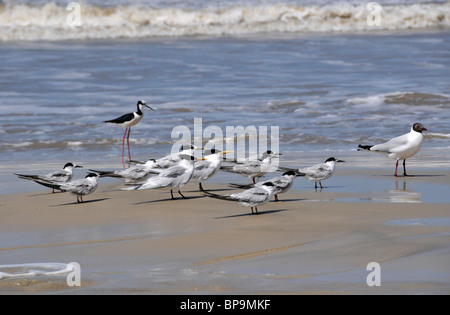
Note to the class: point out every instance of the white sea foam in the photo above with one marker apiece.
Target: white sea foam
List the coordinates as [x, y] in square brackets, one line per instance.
[49, 21]
[438, 135]
[34, 269]
[401, 98]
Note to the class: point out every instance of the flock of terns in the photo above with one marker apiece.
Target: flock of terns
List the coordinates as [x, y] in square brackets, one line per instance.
[175, 170]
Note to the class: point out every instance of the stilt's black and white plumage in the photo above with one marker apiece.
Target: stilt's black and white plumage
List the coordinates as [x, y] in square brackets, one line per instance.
[253, 197]
[400, 148]
[63, 175]
[127, 121]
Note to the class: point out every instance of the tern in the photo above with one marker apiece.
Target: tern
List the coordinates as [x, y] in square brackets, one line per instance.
[208, 166]
[127, 121]
[135, 173]
[253, 197]
[173, 159]
[319, 172]
[401, 147]
[62, 176]
[79, 187]
[173, 177]
[253, 169]
[282, 183]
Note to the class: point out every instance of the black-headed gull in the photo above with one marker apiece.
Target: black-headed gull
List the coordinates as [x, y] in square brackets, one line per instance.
[400, 148]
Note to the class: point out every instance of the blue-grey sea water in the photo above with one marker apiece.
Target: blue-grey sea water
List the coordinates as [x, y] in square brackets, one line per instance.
[327, 91]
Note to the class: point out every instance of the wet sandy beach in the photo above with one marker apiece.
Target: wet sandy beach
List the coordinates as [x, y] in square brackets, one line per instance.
[141, 242]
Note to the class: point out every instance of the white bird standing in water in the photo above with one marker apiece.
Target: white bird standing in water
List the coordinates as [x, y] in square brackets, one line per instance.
[400, 148]
[127, 121]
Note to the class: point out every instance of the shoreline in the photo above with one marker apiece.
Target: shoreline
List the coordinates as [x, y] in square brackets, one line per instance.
[141, 242]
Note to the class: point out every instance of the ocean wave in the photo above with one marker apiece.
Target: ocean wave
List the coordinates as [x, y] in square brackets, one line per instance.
[438, 135]
[51, 21]
[439, 101]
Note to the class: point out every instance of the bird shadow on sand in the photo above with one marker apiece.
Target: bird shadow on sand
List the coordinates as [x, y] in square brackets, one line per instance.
[47, 194]
[80, 203]
[215, 190]
[169, 199]
[288, 200]
[251, 214]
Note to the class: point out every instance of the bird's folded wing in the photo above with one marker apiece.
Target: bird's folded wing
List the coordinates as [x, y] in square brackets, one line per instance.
[391, 144]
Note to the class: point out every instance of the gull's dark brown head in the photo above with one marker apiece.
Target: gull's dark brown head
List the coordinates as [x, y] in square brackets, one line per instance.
[418, 127]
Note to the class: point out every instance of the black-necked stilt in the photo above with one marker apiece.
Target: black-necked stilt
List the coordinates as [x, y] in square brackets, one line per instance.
[173, 177]
[61, 176]
[252, 197]
[400, 148]
[127, 121]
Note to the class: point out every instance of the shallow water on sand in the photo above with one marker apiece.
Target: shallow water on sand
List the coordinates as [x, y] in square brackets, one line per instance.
[326, 93]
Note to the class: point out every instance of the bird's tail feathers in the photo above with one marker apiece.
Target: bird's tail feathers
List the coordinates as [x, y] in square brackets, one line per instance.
[286, 169]
[135, 162]
[104, 173]
[215, 196]
[241, 186]
[364, 147]
[28, 177]
[48, 184]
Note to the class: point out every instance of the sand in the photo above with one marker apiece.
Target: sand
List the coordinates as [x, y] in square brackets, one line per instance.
[141, 242]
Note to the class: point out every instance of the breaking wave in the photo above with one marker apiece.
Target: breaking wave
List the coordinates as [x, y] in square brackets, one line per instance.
[50, 21]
